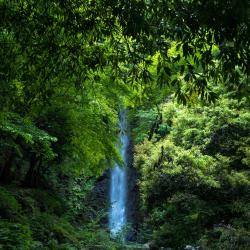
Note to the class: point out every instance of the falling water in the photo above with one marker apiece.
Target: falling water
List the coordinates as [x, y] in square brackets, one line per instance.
[118, 187]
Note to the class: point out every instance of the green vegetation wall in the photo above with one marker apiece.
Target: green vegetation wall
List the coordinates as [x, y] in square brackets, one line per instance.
[194, 174]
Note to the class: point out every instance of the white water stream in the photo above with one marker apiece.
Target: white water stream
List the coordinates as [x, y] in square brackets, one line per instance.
[118, 185]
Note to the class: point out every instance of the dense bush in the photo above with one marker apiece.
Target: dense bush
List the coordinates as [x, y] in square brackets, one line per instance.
[196, 175]
[9, 207]
[15, 236]
[35, 219]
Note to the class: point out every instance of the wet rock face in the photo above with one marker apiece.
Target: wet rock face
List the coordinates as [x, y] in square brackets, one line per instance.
[98, 199]
[133, 213]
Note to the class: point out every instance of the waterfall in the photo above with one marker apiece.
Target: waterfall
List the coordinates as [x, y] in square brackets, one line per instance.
[118, 185]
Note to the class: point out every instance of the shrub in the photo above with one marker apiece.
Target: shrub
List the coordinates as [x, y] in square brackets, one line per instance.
[9, 207]
[15, 236]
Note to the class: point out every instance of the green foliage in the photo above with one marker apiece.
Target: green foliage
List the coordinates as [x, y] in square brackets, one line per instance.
[226, 238]
[47, 202]
[66, 69]
[210, 45]
[15, 236]
[13, 127]
[195, 175]
[55, 85]
[9, 206]
[181, 220]
[36, 221]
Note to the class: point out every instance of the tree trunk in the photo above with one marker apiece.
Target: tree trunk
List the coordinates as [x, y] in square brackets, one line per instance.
[31, 178]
